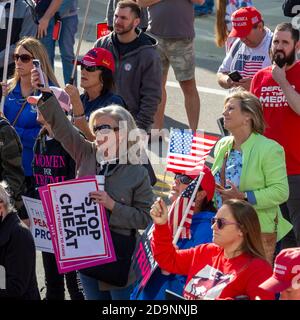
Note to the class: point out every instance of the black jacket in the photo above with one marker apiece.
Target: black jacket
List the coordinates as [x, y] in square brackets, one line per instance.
[17, 256]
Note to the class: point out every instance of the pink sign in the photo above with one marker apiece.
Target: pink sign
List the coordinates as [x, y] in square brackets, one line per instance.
[78, 226]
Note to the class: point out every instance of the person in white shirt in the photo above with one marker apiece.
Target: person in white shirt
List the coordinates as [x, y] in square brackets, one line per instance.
[250, 52]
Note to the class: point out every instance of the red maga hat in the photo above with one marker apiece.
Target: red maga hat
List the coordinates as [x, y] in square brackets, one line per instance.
[243, 21]
[98, 57]
[286, 268]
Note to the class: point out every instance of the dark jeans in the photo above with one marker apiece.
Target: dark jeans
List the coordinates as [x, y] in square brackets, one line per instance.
[291, 211]
[55, 281]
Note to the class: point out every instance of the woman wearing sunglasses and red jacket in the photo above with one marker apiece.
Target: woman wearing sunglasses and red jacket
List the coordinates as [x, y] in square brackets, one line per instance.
[232, 267]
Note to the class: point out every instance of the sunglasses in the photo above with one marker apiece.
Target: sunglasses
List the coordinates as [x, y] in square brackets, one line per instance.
[183, 178]
[89, 68]
[23, 57]
[221, 222]
[105, 129]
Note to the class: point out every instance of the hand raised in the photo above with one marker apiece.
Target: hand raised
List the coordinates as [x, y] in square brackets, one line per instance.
[159, 212]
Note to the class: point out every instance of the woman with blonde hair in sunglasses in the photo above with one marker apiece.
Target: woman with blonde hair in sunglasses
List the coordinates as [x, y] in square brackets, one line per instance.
[127, 194]
[232, 267]
[17, 110]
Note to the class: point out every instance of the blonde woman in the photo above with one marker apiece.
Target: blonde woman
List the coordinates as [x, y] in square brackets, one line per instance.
[21, 114]
[127, 194]
[252, 167]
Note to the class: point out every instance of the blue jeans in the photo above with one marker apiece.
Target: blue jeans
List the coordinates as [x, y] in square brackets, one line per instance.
[66, 44]
[92, 292]
[205, 8]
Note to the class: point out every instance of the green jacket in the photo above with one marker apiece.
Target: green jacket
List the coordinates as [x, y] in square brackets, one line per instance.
[263, 177]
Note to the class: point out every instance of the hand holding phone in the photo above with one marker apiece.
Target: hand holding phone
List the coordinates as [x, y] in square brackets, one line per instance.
[235, 76]
[37, 66]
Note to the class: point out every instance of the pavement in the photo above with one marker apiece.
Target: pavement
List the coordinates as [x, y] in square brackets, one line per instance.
[208, 59]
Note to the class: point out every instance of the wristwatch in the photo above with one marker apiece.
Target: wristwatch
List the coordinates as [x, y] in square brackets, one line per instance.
[45, 96]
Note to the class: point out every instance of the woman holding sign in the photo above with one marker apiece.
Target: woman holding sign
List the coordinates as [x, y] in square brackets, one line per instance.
[127, 194]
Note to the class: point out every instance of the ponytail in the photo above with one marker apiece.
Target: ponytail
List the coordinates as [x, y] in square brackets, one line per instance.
[221, 32]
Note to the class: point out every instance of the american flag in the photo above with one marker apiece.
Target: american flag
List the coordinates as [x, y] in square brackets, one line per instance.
[188, 150]
[250, 68]
[177, 212]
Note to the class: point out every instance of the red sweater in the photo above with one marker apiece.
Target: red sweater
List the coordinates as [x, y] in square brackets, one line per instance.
[209, 274]
[283, 124]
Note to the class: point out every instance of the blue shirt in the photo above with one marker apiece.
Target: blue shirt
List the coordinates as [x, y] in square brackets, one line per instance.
[233, 171]
[26, 126]
[100, 102]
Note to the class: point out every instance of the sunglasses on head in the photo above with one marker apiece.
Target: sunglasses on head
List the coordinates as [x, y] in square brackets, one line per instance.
[23, 57]
[105, 129]
[183, 178]
[221, 222]
[89, 68]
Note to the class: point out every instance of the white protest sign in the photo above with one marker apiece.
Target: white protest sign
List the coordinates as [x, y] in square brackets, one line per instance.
[78, 222]
[38, 224]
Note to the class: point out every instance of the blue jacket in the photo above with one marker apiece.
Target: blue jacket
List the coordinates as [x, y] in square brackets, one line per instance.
[27, 127]
[201, 232]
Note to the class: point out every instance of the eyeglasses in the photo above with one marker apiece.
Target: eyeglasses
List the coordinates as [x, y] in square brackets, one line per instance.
[89, 68]
[183, 178]
[221, 222]
[104, 129]
[25, 58]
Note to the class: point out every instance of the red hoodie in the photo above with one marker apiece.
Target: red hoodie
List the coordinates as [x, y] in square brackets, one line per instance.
[209, 274]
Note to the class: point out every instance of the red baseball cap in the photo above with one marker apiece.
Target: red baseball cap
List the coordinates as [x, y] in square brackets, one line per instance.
[243, 21]
[98, 57]
[286, 267]
[208, 181]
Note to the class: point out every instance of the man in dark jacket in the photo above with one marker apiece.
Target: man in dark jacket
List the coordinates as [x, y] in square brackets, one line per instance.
[17, 255]
[138, 67]
[23, 25]
[11, 170]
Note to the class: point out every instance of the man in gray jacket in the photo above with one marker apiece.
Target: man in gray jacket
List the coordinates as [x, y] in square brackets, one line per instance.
[138, 68]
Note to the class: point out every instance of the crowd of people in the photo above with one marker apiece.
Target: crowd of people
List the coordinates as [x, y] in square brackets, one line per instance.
[245, 209]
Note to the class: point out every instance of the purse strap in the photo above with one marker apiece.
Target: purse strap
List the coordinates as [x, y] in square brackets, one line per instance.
[19, 113]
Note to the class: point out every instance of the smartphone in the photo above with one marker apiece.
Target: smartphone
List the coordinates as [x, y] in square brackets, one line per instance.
[37, 66]
[235, 76]
[220, 123]
[56, 30]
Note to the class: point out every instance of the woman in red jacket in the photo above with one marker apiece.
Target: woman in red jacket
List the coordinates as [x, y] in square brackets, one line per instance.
[232, 267]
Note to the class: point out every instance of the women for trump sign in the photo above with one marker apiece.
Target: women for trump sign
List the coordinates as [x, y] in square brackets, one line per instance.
[78, 226]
